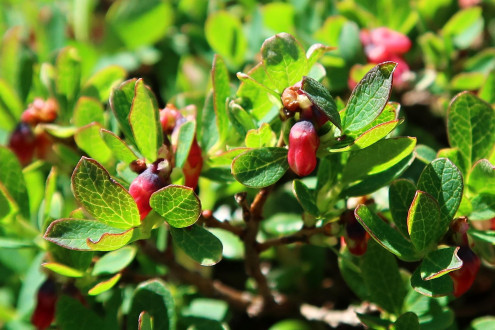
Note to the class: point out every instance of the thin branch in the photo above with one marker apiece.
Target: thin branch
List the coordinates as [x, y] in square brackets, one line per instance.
[210, 221]
[301, 236]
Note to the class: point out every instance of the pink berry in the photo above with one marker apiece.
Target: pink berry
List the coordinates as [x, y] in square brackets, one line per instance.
[464, 277]
[393, 41]
[303, 144]
[169, 117]
[143, 186]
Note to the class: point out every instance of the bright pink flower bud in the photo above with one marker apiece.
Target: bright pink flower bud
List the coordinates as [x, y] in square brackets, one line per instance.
[303, 144]
[355, 236]
[46, 300]
[23, 143]
[144, 186]
[464, 277]
[393, 41]
[194, 164]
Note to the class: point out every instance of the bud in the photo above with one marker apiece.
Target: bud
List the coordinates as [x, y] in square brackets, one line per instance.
[144, 186]
[355, 236]
[40, 111]
[194, 164]
[23, 143]
[464, 277]
[46, 300]
[303, 144]
[168, 118]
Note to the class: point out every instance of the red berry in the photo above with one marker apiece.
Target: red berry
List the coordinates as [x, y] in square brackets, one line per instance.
[464, 277]
[40, 111]
[23, 142]
[144, 186]
[194, 164]
[44, 312]
[303, 144]
[355, 236]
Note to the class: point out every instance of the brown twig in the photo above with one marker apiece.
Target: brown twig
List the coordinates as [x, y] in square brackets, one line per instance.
[210, 221]
[301, 236]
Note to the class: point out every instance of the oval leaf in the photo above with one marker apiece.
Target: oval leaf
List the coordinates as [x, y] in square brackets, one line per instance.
[440, 262]
[423, 221]
[114, 261]
[199, 244]
[179, 205]
[119, 148]
[321, 99]
[258, 168]
[105, 285]
[102, 197]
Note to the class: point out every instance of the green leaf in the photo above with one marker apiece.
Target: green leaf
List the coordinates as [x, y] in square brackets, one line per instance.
[464, 27]
[455, 156]
[385, 235]
[317, 51]
[233, 247]
[62, 269]
[443, 181]
[102, 197]
[226, 158]
[400, 196]
[284, 60]
[11, 57]
[211, 309]
[261, 137]
[187, 133]
[72, 314]
[207, 127]
[199, 244]
[9, 100]
[377, 158]
[487, 91]
[467, 81]
[221, 92]
[155, 298]
[88, 110]
[423, 222]
[119, 148]
[258, 168]
[240, 119]
[225, 35]
[483, 235]
[179, 205]
[145, 121]
[8, 206]
[381, 276]
[483, 207]
[369, 97]
[425, 153]
[482, 178]
[436, 287]
[321, 99]
[145, 321]
[114, 261]
[440, 262]
[471, 127]
[121, 101]
[100, 85]
[483, 323]
[104, 285]
[305, 197]
[139, 23]
[283, 224]
[74, 234]
[13, 180]
[407, 321]
[88, 138]
[370, 137]
[374, 182]
[68, 80]
[111, 241]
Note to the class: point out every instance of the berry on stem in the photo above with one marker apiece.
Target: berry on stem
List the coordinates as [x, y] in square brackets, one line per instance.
[144, 186]
[303, 144]
[46, 300]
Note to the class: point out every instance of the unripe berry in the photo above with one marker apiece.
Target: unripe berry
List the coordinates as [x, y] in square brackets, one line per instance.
[355, 236]
[144, 186]
[194, 164]
[303, 143]
[464, 277]
[46, 300]
[23, 143]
